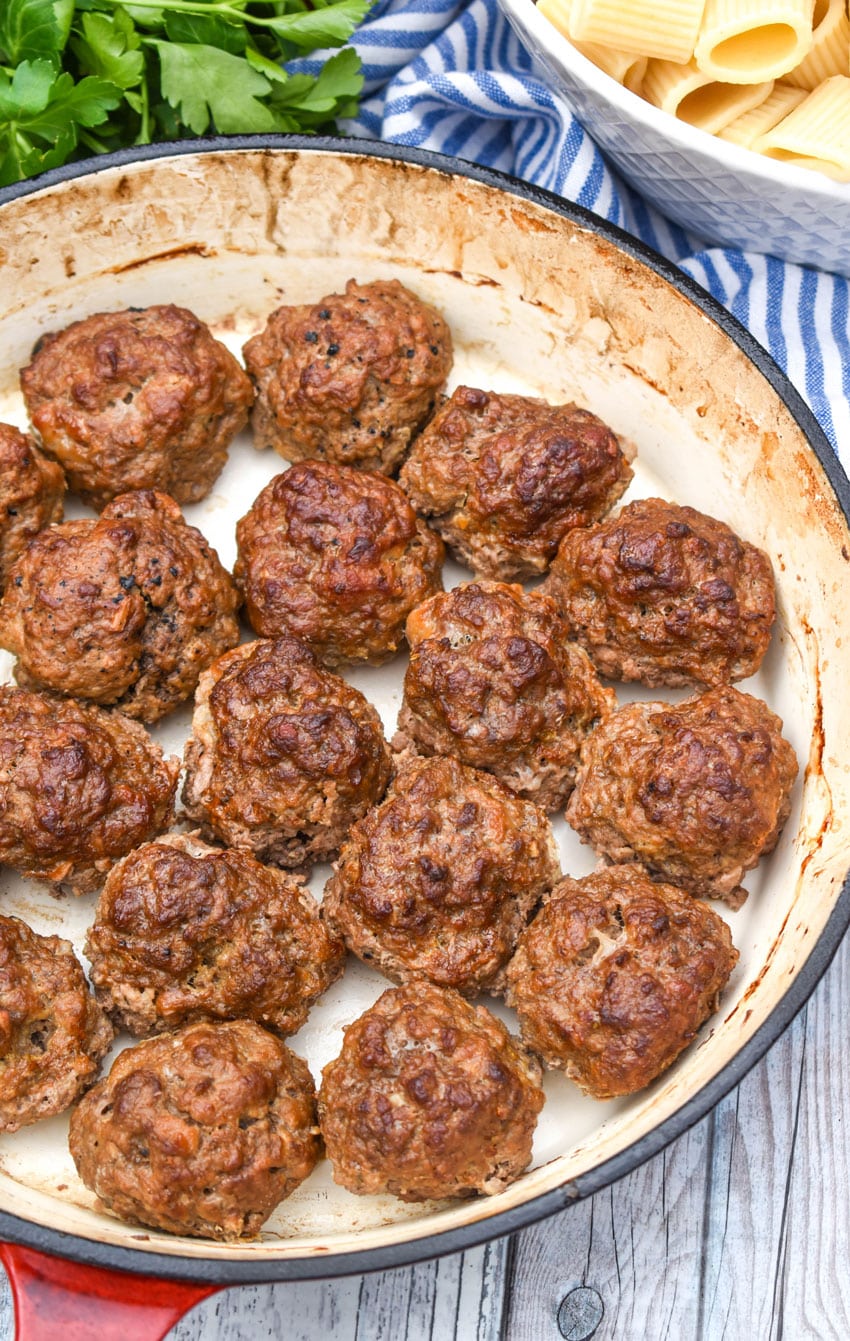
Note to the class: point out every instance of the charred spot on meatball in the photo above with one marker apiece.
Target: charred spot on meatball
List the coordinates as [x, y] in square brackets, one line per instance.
[337, 557]
[186, 932]
[502, 478]
[665, 595]
[493, 680]
[351, 378]
[79, 788]
[614, 977]
[139, 399]
[284, 755]
[31, 493]
[201, 1132]
[124, 611]
[696, 792]
[53, 1034]
[429, 1098]
[441, 878]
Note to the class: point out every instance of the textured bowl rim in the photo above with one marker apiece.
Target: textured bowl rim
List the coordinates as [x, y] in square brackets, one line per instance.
[218, 1271]
[679, 134]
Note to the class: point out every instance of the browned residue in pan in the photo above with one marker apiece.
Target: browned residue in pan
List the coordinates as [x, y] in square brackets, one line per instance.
[190, 249]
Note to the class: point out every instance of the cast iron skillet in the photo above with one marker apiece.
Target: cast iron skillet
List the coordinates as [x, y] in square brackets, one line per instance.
[149, 1307]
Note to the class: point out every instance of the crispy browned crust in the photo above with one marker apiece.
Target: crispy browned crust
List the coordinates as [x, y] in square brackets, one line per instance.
[125, 611]
[350, 378]
[202, 1132]
[697, 792]
[493, 680]
[441, 878]
[284, 756]
[665, 595]
[338, 557]
[53, 1035]
[503, 478]
[31, 493]
[430, 1097]
[139, 399]
[185, 932]
[79, 788]
[615, 975]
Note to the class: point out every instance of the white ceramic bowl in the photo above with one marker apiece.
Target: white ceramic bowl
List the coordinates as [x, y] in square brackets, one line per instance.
[722, 192]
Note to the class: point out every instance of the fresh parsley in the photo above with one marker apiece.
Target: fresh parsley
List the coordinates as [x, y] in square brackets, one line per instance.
[80, 77]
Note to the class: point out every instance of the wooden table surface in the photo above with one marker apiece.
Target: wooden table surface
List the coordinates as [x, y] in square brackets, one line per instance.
[739, 1231]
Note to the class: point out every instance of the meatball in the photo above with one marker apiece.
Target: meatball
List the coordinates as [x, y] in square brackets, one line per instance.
[53, 1035]
[185, 932]
[430, 1097]
[697, 792]
[351, 378]
[31, 491]
[203, 1132]
[284, 756]
[141, 399]
[79, 788]
[503, 478]
[338, 557]
[665, 595]
[493, 680]
[614, 977]
[125, 611]
[442, 877]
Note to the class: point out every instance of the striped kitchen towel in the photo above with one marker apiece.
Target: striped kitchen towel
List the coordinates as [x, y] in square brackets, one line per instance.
[454, 78]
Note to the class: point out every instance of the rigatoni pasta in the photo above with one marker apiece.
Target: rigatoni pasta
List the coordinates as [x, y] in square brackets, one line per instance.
[748, 128]
[830, 53]
[727, 81]
[664, 29]
[693, 96]
[816, 133]
[749, 41]
[627, 68]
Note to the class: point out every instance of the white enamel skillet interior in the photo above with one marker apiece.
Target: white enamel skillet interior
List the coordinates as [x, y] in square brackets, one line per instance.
[541, 297]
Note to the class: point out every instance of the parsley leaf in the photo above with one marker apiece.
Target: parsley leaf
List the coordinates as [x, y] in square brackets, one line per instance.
[208, 85]
[31, 29]
[110, 46]
[41, 114]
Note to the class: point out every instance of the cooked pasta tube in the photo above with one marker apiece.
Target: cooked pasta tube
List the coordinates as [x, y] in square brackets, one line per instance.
[624, 66]
[830, 53]
[695, 97]
[748, 41]
[746, 129]
[664, 29]
[817, 133]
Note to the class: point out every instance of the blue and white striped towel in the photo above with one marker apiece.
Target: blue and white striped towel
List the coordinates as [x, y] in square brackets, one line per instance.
[453, 77]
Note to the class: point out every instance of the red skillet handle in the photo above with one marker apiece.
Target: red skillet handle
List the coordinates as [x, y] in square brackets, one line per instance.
[55, 1298]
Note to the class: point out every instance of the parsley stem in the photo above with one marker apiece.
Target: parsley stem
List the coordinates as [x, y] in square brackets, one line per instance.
[219, 7]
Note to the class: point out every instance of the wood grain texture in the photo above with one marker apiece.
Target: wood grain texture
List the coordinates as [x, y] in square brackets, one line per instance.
[739, 1231]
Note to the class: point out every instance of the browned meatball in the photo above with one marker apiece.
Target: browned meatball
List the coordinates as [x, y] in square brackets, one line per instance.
[442, 877]
[350, 378]
[338, 557]
[503, 478]
[493, 680]
[284, 756]
[31, 492]
[203, 1132]
[615, 976]
[430, 1097]
[53, 1034]
[79, 788]
[696, 792]
[185, 932]
[140, 399]
[665, 595]
[125, 611]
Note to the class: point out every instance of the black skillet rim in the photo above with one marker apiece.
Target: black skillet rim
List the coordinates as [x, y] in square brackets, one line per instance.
[218, 1271]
